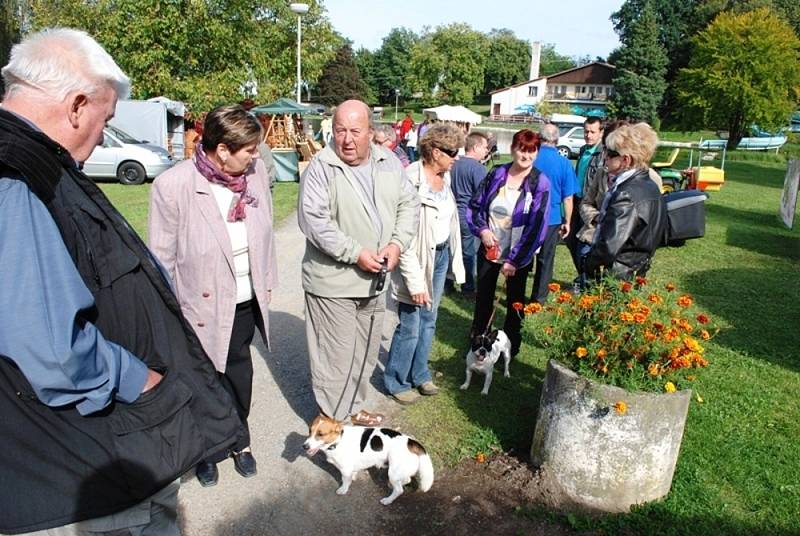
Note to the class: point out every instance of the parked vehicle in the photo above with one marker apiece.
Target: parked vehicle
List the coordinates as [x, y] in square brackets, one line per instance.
[571, 140]
[158, 121]
[125, 158]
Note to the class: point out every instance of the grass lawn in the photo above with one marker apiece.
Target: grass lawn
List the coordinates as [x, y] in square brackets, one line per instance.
[738, 472]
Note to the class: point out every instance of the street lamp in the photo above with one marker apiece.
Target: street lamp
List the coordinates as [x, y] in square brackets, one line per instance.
[301, 9]
[396, 96]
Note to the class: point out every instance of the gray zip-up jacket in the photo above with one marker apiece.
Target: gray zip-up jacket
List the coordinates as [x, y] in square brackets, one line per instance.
[332, 214]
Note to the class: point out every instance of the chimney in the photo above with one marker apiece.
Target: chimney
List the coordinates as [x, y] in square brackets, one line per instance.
[536, 53]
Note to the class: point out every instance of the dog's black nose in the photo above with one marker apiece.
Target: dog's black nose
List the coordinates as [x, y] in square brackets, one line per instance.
[305, 446]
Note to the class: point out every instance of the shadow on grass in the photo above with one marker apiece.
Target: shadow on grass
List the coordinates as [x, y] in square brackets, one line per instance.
[755, 173]
[759, 232]
[761, 306]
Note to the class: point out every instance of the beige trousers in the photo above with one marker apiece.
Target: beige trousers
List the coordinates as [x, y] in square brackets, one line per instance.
[344, 337]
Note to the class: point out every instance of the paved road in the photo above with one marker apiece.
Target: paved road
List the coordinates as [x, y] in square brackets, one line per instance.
[292, 494]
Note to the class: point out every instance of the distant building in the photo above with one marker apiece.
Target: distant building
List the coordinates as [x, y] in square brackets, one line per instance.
[583, 89]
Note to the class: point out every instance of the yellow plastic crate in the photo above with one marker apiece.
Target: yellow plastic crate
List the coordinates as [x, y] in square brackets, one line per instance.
[710, 178]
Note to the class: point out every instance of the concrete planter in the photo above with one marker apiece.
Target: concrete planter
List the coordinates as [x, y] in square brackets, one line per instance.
[602, 459]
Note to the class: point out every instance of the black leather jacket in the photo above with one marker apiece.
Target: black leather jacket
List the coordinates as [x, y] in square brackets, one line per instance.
[631, 229]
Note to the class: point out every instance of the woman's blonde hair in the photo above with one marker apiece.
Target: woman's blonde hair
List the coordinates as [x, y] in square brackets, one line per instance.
[440, 136]
[637, 141]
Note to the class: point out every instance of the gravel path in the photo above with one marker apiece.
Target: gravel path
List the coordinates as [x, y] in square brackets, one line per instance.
[292, 493]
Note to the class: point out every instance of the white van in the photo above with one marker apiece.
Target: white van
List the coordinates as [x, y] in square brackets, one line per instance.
[125, 158]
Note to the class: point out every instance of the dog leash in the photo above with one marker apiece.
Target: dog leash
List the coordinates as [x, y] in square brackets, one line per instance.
[494, 309]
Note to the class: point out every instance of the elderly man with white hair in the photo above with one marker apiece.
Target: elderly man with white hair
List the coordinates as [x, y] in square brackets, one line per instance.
[106, 395]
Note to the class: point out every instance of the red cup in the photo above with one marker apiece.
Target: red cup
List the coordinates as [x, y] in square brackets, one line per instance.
[493, 252]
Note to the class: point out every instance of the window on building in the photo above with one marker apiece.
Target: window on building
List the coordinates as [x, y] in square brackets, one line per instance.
[533, 91]
[563, 90]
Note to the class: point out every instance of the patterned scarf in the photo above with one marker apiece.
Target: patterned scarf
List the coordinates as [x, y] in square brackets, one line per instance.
[237, 185]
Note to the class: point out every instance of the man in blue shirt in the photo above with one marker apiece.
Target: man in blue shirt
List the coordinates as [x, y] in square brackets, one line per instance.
[466, 176]
[563, 186]
[100, 374]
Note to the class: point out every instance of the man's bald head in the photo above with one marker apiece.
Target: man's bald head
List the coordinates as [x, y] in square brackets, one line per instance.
[352, 132]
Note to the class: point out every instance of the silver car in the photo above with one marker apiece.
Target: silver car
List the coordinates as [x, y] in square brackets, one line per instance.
[570, 140]
[125, 158]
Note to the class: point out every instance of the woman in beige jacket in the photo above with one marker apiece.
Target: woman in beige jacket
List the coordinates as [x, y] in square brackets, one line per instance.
[210, 225]
[419, 283]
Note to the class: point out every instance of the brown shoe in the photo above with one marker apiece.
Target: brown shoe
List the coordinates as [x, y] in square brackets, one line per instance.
[406, 397]
[428, 389]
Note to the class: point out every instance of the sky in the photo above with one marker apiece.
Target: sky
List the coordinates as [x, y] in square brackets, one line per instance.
[575, 27]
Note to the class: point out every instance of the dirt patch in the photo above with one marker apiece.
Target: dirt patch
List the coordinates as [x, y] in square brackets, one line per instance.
[479, 498]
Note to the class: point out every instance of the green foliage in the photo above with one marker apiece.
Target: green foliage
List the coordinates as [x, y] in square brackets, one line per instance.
[641, 62]
[202, 52]
[745, 69]
[551, 62]
[392, 64]
[341, 80]
[365, 61]
[448, 64]
[507, 60]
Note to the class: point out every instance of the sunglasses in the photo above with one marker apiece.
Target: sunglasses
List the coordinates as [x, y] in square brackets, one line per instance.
[452, 153]
[610, 153]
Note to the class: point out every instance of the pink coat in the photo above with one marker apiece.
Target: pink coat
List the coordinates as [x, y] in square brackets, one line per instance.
[188, 235]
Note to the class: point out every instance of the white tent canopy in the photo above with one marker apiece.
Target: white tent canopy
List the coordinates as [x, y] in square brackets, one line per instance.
[459, 114]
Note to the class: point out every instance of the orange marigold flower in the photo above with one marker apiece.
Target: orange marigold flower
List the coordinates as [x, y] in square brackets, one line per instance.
[564, 297]
[621, 407]
[703, 319]
[705, 335]
[480, 457]
[586, 302]
[625, 286]
[649, 336]
[533, 308]
[601, 353]
[670, 387]
[670, 287]
[517, 306]
[603, 369]
[548, 330]
[625, 316]
[639, 318]
[645, 310]
[581, 352]
[658, 325]
[641, 281]
[685, 300]
[653, 369]
[655, 298]
[554, 287]
[692, 344]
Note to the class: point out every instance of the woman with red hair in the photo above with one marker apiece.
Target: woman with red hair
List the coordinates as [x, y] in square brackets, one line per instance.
[509, 213]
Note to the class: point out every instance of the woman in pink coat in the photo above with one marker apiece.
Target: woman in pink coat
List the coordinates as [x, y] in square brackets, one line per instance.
[210, 225]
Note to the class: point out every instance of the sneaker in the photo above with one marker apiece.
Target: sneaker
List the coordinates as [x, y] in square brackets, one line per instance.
[428, 389]
[406, 398]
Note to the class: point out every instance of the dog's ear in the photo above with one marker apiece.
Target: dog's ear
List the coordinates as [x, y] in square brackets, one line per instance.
[493, 335]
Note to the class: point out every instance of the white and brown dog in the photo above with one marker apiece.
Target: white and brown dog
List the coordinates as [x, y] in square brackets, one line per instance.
[354, 448]
[485, 351]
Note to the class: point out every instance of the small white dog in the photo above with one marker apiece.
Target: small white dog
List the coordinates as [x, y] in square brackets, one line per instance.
[353, 448]
[485, 350]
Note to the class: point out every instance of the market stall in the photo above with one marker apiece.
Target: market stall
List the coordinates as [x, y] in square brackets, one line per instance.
[461, 116]
[285, 134]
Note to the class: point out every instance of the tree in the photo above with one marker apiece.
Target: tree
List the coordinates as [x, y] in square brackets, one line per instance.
[448, 64]
[641, 63]
[745, 69]
[365, 61]
[507, 60]
[340, 80]
[203, 52]
[552, 62]
[393, 63]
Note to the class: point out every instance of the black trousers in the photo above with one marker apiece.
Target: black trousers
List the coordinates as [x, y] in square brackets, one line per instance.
[484, 299]
[576, 224]
[238, 376]
[545, 260]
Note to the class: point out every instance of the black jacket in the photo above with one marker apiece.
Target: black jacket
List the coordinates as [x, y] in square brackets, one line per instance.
[631, 230]
[56, 466]
[595, 163]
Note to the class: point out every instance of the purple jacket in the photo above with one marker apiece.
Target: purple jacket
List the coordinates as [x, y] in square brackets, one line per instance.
[531, 212]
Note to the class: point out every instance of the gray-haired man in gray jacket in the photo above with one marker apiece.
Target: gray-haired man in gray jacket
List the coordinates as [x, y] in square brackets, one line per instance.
[358, 212]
